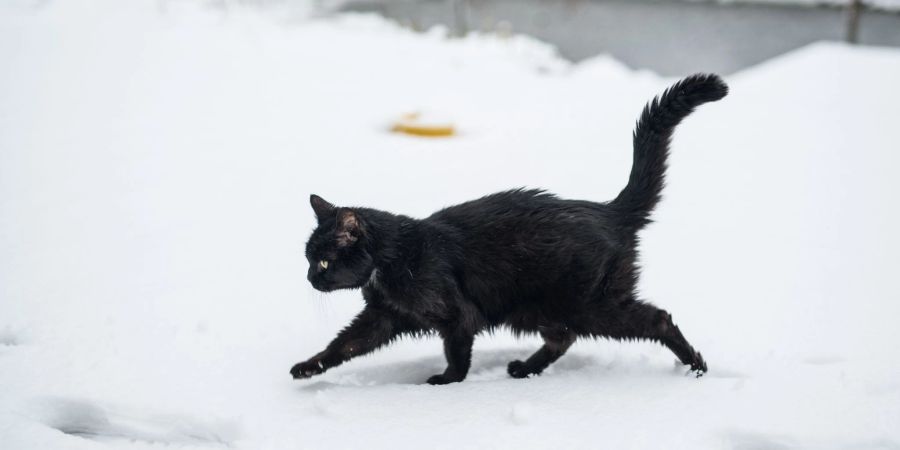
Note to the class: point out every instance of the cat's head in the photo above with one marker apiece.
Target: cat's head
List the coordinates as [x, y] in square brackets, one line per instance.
[336, 251]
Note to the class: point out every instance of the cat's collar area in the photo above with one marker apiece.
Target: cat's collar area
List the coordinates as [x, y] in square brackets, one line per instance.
[373, 279]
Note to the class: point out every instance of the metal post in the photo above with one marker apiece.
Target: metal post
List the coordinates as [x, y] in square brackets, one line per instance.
[853, 11]
[460, 17]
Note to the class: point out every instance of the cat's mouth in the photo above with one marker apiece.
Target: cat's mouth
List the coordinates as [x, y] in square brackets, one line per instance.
[334, 288]
[321, 288]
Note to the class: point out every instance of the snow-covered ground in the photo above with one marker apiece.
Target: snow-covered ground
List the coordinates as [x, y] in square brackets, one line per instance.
[155, 167]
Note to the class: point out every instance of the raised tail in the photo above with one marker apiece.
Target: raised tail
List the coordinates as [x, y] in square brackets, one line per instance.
[651, 143]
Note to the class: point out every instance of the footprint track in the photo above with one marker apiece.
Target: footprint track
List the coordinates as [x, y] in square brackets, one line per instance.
[94, 421]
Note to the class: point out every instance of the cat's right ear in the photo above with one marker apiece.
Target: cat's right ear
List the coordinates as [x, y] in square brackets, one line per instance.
[322, 208]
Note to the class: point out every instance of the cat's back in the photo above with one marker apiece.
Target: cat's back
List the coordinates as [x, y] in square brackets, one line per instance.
[505, 205]
[528, 219]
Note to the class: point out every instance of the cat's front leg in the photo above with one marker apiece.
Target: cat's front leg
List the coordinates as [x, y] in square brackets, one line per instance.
[371, 329]
[458, 351]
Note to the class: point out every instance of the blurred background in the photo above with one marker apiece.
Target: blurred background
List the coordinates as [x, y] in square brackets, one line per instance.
[669, 37]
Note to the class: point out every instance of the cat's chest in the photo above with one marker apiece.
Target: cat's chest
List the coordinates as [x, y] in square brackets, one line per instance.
[405, 298]
[392, 296]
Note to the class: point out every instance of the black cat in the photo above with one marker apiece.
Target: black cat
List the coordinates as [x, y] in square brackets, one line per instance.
[522, 259]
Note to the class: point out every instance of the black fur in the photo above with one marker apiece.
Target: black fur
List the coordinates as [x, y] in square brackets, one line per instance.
[522, 259]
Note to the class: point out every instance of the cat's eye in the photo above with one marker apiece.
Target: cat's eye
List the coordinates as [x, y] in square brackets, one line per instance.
[323, 264]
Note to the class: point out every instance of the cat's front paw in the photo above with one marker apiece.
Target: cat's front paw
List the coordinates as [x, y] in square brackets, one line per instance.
[518, 369]
[307, 369]
[698, 365]
[443, 379]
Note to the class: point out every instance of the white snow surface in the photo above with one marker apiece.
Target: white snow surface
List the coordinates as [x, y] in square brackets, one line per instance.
[155, 167]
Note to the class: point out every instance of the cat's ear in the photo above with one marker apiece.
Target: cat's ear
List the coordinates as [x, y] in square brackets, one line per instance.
[321, 207]
[349, 227]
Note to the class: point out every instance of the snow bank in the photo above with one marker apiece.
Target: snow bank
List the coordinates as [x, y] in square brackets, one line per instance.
[154, 175]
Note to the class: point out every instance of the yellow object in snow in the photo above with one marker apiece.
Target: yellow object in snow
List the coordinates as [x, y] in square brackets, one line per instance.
[416, 125]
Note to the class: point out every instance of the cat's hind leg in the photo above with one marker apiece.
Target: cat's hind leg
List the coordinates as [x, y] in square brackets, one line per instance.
[557, 341]
[641, 320]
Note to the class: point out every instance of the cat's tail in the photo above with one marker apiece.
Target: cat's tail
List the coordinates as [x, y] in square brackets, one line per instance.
[651, 143]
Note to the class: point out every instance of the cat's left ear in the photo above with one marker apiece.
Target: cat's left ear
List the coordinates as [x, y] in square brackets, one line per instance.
[322, 208]
[349, 227]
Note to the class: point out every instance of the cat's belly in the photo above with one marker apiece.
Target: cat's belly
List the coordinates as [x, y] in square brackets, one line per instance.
[558, 313]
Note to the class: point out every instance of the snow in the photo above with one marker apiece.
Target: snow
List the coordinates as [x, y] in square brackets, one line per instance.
[155, 167]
